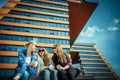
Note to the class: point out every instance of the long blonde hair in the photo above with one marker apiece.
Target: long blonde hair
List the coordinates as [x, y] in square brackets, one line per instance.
[62, 56]
[45, 57]
[31, 42]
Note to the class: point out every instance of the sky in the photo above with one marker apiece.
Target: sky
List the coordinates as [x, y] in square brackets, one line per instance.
[103, 29]
[2, 2]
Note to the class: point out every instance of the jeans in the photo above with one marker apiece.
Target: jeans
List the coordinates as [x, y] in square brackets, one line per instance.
[25, 71]
[69, 74]
[25, 75]
[48, 74]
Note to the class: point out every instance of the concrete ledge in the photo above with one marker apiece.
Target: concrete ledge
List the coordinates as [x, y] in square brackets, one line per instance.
[39, 78]
[85, 78]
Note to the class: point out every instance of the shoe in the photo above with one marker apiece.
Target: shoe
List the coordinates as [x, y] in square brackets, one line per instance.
[17, 77]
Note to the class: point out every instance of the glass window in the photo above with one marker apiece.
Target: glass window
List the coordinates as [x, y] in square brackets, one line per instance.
[55, 41]
[31, 22]
[47, 40]
[46, 4]
[59, 33]
[41, 9]
[66, 34]
[33, 30]
[62, 33]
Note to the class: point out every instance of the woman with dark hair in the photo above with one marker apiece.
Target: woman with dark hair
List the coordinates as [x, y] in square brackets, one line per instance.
[27, 61]
[63, 64]
[46, 69]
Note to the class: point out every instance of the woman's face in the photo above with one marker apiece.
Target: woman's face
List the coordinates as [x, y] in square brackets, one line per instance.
[41, 51]
[32, 47]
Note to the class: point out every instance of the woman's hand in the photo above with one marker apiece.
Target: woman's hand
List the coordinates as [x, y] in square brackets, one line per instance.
[59, 67]
[51, 67]
[34, 64]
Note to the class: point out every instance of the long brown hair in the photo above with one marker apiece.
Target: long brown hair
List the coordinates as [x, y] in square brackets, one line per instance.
[62, 56]
[45, 57]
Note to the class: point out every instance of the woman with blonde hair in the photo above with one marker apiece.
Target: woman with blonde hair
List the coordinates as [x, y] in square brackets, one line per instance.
[63, 64]
[27, 61]
[46, 70]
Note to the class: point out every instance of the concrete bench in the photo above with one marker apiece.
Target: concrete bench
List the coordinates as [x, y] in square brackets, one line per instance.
[39, 78]
[13, 66]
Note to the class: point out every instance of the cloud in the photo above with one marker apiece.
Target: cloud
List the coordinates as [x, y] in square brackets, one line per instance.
[114, 25]
[90, 31]
[116, 21]
[113, 28]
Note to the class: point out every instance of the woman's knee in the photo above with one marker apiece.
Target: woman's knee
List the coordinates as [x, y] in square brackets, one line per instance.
[25, 75]
[53, 74]
[62, 72]
[54, 71]
[45, 72]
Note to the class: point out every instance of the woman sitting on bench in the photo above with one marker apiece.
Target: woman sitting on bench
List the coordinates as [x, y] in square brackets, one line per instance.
[45, 67]
[63, 64]
[27, 61]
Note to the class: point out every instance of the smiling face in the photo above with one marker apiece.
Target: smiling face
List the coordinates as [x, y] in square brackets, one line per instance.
[41, 51]
[58, 50]
[32, 47]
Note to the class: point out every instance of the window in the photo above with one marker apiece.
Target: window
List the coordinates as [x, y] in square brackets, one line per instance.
[41, 9]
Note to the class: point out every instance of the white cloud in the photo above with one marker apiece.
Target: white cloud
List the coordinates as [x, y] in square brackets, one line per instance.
[99, 30]
[90, 31]
[113, 28]
[114, 25]
[115, 20]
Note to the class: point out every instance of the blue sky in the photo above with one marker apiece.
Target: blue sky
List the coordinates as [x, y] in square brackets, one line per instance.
[103, 29]
[2, 2]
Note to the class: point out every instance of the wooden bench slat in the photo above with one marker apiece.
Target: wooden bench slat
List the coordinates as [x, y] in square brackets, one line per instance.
[8, 53]
[7, 66]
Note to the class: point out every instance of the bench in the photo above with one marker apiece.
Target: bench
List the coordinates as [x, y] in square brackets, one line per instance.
[13, 66]
[38, 78]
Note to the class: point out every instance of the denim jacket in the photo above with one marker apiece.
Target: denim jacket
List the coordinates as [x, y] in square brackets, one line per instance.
[22, 59]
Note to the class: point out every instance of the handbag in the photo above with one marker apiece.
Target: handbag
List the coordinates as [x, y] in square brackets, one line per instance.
[77, 67]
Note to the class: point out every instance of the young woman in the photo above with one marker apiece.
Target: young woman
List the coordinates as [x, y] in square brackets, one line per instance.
[47, 71]
[27, 61]
[63, 64]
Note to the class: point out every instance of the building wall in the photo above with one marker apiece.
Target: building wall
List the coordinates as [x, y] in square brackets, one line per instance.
[45, 22]
[79, 13]
[93, 62]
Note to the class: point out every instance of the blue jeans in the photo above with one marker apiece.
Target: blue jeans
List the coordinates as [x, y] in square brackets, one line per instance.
[68, 74]
[48, 74]
[25, 75]
[25, 71]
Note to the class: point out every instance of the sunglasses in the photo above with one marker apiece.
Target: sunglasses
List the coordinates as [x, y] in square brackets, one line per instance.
[41, 50]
